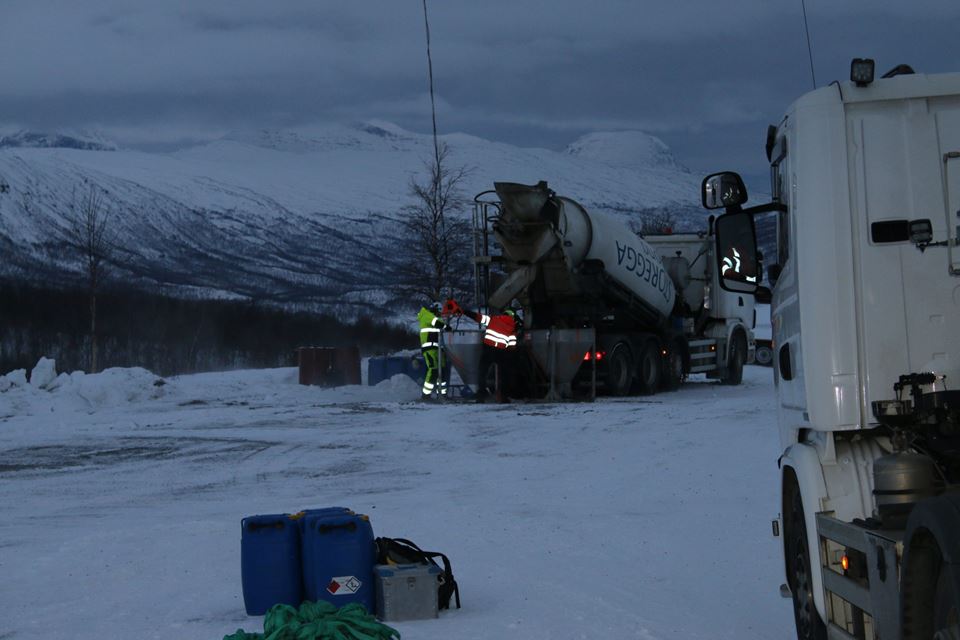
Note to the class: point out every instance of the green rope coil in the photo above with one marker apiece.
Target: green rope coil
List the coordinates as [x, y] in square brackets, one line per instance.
[319, 621]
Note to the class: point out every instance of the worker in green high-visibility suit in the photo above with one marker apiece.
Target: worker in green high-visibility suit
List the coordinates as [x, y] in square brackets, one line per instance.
[430, 327]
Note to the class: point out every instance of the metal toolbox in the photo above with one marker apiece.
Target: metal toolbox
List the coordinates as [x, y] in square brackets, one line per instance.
[406, 591]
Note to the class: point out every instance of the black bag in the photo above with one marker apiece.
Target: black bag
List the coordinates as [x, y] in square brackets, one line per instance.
[403, 551]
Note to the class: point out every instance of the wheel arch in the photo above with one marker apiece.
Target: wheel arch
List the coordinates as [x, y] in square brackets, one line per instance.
[800, 470]
[931, 541]
[615, 343]
[733, 331]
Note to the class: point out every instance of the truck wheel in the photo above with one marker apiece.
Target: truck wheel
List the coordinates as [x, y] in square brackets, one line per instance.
[809, 624]
[648, 371]
[619, 370]
[946, 617]
[764, 355]
[929, 601]
[733, 374]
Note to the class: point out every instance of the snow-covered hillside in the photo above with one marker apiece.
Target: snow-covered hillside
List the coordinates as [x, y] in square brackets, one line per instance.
[624, 518]
[294, 217]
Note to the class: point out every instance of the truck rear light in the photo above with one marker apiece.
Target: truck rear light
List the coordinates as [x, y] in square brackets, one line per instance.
[598, 355]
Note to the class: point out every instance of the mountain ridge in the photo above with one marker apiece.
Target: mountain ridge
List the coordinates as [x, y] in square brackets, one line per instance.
[298, 218]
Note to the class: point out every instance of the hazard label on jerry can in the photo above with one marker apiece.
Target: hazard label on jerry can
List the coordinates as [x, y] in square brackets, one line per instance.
[344, 585]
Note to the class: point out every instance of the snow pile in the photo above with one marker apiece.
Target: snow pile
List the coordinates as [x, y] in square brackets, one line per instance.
[16, 378]
[50, 392]
[400, 387]
[44, 391]
[113, 387]
[43, 373]
[281, 387]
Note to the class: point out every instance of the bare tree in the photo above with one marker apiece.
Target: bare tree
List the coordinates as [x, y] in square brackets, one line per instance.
[90, 235]
[437, 264]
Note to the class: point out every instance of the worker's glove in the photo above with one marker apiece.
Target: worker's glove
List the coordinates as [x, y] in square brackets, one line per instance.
[447, 327]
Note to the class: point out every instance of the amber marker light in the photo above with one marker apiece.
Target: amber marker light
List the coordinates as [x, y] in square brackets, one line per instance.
[845, 562]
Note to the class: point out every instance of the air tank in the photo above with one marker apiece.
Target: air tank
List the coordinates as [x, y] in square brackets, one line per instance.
[534, 222]
[901, 480]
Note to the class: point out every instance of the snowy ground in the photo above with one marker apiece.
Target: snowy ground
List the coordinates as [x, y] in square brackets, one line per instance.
[121, 500]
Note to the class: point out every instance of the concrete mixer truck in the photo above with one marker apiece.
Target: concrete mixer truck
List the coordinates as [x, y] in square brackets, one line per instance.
[603, 308]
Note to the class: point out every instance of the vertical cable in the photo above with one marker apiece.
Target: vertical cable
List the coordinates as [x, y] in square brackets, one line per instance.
[806, 28]
[433, 106]
[437, 169]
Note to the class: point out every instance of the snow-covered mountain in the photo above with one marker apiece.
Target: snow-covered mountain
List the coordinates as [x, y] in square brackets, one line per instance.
[86, 142]
[294, 217]
[625, 149]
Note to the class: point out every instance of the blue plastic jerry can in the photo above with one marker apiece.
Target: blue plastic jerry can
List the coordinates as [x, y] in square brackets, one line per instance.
[270, 562]
[338, 556]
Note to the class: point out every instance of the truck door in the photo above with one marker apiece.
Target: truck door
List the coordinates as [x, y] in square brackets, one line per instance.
[785, 306]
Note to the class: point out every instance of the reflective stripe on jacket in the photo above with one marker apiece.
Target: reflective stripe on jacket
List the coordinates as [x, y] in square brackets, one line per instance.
[430, 327]
[500, 331]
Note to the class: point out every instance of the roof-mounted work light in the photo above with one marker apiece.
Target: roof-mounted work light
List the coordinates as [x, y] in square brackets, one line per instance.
[861, 71]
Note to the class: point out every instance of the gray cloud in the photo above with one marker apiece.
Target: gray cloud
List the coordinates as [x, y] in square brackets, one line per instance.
[705, 76]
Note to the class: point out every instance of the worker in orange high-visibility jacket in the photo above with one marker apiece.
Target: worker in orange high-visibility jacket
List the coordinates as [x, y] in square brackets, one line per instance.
[500, 345]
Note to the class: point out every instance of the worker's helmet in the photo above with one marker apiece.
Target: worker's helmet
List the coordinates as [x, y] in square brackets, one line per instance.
[510, 312]
[435, 307]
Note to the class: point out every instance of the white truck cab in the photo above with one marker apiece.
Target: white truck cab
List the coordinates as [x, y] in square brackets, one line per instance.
[865, 315]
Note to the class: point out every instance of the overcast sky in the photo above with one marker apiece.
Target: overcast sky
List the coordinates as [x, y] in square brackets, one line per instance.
[705, 76]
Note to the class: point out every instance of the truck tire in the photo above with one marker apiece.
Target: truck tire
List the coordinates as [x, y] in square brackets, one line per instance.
[929, 598]
[764, 355]
[733, 373]
[799, 573]
[946, 614]
[648, 368]
[619, 370]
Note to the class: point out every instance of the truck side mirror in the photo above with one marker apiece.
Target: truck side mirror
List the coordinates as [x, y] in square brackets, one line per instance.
[723, 190]
[736, 251]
